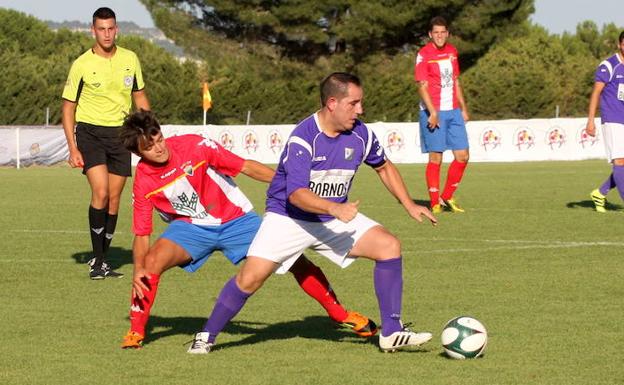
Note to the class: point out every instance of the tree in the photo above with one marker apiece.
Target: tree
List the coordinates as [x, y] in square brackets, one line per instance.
[270, 56]
[173, 88]
[527, 77]
[589, 40]
[35, 62]
[307, 30]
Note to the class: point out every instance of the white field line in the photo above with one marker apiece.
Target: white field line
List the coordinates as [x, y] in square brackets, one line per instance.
[507, 244]
[514, 244]
[32, 231]
[528, 241]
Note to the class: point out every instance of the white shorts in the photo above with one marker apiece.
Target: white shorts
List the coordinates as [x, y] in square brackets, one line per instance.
[282, 239]
[613, 134]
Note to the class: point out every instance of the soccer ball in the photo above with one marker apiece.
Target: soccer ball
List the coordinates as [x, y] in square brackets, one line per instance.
[464, 337]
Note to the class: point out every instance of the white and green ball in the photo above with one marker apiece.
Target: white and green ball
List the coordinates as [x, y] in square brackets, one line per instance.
[464, 337]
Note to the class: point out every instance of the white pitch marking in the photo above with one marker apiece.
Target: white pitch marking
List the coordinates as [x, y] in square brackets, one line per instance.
[535, 245]
[57, 231]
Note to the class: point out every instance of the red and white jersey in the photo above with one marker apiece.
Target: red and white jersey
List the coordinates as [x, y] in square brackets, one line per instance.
[194, 185]
[440, 69]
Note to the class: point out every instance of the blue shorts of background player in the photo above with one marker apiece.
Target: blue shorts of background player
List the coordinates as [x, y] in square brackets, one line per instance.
[232, 238]
[449, 135]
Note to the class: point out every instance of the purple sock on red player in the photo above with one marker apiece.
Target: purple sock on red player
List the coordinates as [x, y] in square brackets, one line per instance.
[230, 301]
[388, 277]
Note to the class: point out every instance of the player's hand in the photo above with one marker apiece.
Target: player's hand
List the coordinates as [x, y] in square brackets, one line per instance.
[417, 211]
[138, 283]
[75, 159]
[465, 115]
[591, 128]
[344, 212]
[433, 121]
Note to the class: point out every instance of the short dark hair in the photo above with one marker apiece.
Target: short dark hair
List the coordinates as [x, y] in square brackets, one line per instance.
[439, 21]
[336, 85]
[104, 13]
[621, 37]
[138, 130]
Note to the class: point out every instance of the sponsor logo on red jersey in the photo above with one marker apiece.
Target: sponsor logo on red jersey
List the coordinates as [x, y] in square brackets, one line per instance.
[187, 167]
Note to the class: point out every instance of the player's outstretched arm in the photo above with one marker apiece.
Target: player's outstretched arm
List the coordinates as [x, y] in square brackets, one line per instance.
[312, 203]
[392, 179]
[257, 171]
[140, 247]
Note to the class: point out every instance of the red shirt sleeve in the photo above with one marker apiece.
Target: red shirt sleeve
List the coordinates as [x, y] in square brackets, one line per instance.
[220, 159]
[456, 63]
[420, 68]
[142, 207]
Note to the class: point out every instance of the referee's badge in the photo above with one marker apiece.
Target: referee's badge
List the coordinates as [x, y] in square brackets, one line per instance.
[128, 80]
[348, 153]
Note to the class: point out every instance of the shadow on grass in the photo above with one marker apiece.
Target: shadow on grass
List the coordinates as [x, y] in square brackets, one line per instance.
[446, 356]
[313, 327]
[421, 202]
[116, 257]
[588, 204]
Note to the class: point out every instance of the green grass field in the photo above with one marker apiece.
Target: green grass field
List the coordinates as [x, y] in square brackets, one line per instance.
[530, 259]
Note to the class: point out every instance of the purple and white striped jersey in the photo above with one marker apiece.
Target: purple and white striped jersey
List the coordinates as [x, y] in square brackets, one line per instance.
[611, 72]
[325, 165]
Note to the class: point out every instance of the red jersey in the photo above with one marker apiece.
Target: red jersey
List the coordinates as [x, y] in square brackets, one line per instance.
[193, 186]
[439, 68]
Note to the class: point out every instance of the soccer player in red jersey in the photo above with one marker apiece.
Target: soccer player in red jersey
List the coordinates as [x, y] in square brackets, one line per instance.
[188, 180]
[443, 114]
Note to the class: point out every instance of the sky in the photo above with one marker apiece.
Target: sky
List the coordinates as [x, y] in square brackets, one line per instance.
[81, 10]
[548, 13]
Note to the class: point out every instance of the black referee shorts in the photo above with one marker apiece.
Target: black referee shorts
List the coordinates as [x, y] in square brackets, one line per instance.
[101, 145]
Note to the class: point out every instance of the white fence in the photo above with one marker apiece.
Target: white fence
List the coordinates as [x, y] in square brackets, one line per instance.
[490, 141]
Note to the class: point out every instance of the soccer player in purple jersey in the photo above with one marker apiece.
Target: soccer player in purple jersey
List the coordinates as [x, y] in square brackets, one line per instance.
[307, 207]
[609, 91]
[186, 168]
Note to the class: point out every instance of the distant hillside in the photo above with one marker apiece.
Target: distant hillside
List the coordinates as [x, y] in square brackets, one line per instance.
[154, 35]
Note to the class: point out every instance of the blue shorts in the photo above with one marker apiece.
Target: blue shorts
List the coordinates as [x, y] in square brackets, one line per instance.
[449, 135]
[232, 238]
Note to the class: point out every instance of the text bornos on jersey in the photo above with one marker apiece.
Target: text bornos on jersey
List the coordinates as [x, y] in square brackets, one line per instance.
[330, 183]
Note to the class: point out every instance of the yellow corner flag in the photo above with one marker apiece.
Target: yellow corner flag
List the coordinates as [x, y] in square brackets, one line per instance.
[207, 99]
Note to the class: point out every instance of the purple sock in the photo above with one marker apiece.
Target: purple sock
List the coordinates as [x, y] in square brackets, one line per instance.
[618, 177]
[231, 300]
[388, 277]
[607, 185]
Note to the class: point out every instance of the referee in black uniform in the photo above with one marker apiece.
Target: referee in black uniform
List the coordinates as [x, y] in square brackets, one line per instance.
[101, 86]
